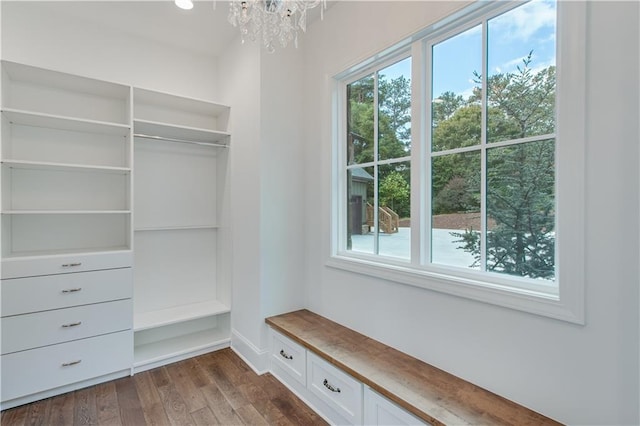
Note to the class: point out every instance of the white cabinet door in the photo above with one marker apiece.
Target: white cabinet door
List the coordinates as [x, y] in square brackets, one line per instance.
[378, 410]
[62, 264]
[288, 356]
[22, 332]
[34, 294]
[36, 370]
[337, 389]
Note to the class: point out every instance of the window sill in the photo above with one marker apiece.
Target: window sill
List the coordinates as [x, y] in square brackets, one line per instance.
[483, 291]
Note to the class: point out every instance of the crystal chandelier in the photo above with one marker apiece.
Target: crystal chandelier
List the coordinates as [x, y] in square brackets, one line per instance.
[273, 21]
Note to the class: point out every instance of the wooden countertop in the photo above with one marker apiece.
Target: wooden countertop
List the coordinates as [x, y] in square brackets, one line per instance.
[429, 393]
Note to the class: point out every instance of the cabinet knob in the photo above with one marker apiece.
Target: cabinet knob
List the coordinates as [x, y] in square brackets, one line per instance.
[71, 324]
[285, 355]
[330, 387]
[67, 364]
[71, 290]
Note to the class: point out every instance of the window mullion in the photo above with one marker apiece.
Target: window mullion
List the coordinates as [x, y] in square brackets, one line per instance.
[483, 152]
[426, 153]
[376, 204]
[420, 159]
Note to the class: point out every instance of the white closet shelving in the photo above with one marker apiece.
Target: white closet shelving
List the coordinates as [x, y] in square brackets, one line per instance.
[182, 298]
[66, 232]
[66, 167]
[92, 173]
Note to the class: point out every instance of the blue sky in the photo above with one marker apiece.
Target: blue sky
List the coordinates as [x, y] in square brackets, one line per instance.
[512, 36]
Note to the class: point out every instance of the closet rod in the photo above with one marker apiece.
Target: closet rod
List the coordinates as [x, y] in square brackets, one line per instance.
[162, 138]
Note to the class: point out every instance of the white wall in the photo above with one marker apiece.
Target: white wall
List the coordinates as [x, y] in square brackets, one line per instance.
[240, 88]
[41, 34]
[267, 191]
[575, 374]
[282, 189]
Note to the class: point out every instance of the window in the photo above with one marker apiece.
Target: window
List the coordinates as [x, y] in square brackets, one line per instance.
[378, 152]
[492, 145]
[463, 179]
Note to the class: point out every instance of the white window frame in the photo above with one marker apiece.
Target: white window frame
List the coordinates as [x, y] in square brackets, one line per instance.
[499, 289]
[379, 66]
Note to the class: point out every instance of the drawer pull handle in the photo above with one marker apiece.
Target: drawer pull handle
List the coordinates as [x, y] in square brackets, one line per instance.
[71, 265]
[285, 355]
[330, 387]
[72, 324]
[71, 290]
[70, 363]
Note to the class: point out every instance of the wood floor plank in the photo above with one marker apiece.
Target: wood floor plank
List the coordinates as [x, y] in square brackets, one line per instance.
[160, 377]
[212, 389]
[174, 406]
[204, 417]
[38, 413]
[62, 409]
[227, 387]
[234, 359]
[219, 405]
[294, 409]
[150, 400]
[251, 389]
[220, 359]
[85, 409]
[196, 372]
[130, 407]
[272, 386]
[251, 416]
[15, 416]
[270, 412]
[108, 410]
[181, 379]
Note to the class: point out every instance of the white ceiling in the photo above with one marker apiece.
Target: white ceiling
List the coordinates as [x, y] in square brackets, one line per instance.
[202, 29]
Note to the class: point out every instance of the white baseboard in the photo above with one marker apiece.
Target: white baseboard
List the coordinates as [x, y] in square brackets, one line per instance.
[256, 358]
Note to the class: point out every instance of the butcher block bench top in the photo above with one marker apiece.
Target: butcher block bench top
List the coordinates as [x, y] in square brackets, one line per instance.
[429, 393]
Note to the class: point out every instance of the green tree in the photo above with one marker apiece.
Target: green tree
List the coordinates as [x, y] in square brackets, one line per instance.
[520, 178]
[394, 193]
[395, 106]
[394, 118]
[445, 105]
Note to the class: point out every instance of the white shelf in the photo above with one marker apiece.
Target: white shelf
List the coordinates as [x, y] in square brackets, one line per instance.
[34, 254]
[176, 132]
[173, 228]
[169, 101]
[177, 347]
[51, 121]
[28, 74]
[177, 314]
[64, 212]
[47, 165]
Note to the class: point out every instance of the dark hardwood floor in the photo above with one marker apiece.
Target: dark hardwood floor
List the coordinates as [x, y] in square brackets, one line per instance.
[212, 389]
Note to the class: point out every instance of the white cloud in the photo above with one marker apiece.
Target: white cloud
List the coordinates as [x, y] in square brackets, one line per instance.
[524, 21]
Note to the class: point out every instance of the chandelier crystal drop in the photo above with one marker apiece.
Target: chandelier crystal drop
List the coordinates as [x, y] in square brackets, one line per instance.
[272, 21]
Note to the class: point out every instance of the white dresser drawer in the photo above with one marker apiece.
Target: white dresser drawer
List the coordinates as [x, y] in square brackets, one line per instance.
[28, 372]
[33, 294]
[380, 411]
[22, 332]
[337, 389]
[60, 264]
[289, 356]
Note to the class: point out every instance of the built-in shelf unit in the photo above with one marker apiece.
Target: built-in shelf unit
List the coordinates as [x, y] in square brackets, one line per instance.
[182, 302]
[66, 232]
[94, 175]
